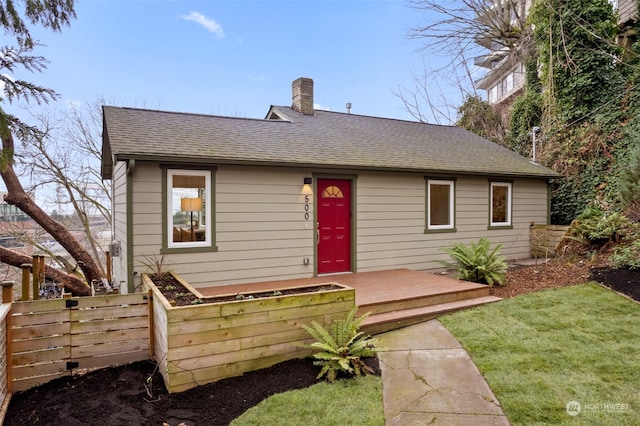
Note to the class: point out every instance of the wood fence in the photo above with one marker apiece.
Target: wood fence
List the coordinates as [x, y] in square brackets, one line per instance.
[48, 339]
[5, 308]
[546, 238]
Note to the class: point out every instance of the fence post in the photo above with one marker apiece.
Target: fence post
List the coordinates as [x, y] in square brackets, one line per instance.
[41, 259]
[7, 297]
[7, 291]
[26, 272]
[35, 270]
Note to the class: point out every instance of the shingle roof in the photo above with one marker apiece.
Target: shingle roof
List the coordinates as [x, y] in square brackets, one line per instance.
[327, 139]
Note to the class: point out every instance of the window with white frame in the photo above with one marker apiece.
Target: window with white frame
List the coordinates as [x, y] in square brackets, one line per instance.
[440, 205]
[508, 83]
[500, 214]
[189, 208]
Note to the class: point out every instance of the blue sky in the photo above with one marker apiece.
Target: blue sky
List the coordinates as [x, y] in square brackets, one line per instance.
[234, 58]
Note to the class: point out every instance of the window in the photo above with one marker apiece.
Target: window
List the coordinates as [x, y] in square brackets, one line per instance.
[440, 205]
[493, 94]
[518, 76]
[508, 83]
[189, 209]
[332, 192]
[500, 213]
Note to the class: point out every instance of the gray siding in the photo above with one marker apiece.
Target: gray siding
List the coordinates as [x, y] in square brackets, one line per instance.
[391, 220]
[262, 233]
[119, 218]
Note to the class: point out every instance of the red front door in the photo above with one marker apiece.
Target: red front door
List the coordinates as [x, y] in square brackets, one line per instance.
[334, 225]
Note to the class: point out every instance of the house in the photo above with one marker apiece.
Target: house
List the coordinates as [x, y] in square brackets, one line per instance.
[505, 74]
[504, 77]
[627, 22]
[305, 192]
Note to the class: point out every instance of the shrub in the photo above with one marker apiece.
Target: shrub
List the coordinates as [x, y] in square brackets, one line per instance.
[599, 227]
[627, 256]
[342, 348]
[629, 183]
[477, 263]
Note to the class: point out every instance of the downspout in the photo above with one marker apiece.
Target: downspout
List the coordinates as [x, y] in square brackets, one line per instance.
[534, 132]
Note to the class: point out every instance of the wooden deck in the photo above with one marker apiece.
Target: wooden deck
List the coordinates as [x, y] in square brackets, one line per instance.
[395, 298]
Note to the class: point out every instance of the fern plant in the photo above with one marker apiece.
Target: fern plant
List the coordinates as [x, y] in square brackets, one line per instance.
[477, 262]
[342, 348]
[599, 227]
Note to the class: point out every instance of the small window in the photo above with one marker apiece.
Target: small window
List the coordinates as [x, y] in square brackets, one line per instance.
[332, 192]
[500, 204]
[189, 208]
[508, 83]
[493, 95]
[440, 205]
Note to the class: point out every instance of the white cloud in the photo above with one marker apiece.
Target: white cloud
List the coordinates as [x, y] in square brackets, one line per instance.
[211, 25]
[318, 106]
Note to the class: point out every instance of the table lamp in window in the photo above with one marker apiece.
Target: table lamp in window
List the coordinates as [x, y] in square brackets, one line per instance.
[191, 205]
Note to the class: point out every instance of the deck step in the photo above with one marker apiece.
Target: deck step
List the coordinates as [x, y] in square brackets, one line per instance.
[403, 303]
[382, 322]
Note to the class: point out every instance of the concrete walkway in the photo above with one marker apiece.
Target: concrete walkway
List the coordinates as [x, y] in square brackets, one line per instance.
[428, 379]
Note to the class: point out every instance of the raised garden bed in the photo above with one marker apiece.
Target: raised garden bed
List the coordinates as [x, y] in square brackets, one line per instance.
[218, 337]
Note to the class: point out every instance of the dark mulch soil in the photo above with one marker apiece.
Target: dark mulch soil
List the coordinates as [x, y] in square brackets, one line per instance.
[124, 395]
[179, 295]
[117, 396]
[626, 281]
[562, 272]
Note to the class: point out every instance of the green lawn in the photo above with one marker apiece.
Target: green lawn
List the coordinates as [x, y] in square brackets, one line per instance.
[542, 350]
[538, 352]
[344, 402]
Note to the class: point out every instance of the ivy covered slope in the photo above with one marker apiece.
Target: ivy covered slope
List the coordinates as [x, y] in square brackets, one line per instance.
[588, 81]
[582, 90]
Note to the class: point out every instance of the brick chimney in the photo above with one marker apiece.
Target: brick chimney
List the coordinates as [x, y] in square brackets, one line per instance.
[302, 95]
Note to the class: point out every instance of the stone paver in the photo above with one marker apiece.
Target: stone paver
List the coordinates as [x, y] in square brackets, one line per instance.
[427, 378]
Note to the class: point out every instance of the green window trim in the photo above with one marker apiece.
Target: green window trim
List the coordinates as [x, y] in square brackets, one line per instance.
[440, 217]
[208, 243]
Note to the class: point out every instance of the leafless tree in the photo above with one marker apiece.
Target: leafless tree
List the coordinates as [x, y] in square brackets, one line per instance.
[427, 101]
[16, 59]
[63, 166]
[493, 24]
[459, 31]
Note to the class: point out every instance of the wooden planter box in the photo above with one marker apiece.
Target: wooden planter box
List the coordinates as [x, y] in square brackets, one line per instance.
[200, 344]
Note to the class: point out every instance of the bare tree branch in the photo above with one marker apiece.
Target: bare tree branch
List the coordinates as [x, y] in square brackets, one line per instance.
[72, 283]
[463, 30]
[65, 163]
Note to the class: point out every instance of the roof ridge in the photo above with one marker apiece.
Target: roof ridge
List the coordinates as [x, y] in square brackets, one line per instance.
[375, 117]
[194, 114]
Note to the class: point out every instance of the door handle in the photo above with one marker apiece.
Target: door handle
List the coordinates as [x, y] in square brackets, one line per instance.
[318, 234]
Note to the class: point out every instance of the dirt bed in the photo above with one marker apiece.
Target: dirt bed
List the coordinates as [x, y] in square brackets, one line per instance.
[135, 395]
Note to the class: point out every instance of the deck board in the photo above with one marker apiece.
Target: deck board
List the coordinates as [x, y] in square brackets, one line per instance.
[371, 287]
[395, 298]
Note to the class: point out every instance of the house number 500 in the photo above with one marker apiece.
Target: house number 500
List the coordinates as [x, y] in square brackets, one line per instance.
[306, 207]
